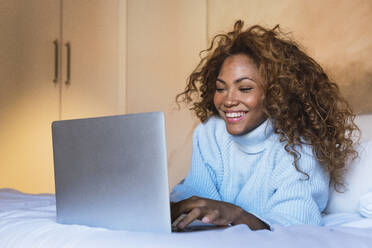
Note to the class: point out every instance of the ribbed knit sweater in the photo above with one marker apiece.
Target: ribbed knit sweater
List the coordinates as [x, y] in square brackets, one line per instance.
[255, 172]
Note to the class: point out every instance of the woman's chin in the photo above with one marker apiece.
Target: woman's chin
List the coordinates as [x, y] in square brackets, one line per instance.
[234, 130]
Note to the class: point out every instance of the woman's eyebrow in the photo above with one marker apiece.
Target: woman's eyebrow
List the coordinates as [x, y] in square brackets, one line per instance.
[243, 78]
[237, 80]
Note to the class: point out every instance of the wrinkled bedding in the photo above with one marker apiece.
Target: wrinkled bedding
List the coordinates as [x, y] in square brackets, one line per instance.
[30, 221]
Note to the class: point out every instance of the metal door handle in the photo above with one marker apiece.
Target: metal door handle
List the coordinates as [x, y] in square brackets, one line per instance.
[68, 69]
[55, 80]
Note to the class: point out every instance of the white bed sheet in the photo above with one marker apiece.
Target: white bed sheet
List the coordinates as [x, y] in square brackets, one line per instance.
[29, 221]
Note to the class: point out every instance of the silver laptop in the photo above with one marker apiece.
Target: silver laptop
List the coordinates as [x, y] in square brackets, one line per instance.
[111, 172]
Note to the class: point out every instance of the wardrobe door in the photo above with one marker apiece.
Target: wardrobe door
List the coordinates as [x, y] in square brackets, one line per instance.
[91, 84]
[29, 95]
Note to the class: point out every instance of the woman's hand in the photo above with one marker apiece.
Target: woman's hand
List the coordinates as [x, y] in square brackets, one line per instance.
[213, 212]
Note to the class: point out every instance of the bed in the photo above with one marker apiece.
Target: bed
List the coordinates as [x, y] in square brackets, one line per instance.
[28, 220]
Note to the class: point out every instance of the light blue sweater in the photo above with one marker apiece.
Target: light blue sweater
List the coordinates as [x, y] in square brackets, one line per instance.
[254, 172]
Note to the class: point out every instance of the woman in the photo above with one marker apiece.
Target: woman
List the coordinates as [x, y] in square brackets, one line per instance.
[275, 133]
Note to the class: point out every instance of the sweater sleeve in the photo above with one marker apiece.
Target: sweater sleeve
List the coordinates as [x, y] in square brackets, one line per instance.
[201, 178]
[297, 199]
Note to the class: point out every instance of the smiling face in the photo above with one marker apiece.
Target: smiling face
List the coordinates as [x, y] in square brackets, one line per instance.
[239, 95]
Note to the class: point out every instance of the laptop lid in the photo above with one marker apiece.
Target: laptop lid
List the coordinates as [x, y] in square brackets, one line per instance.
[111, 172]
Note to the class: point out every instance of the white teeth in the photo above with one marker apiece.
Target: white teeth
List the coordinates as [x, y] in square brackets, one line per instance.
[234, 114]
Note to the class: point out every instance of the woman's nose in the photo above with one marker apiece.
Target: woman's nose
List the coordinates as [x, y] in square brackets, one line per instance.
[231, 99]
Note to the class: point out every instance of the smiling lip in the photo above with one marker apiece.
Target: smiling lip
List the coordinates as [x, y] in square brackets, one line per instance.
[235, 116]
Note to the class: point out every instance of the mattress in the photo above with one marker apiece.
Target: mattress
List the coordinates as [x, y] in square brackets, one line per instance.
[30, 221]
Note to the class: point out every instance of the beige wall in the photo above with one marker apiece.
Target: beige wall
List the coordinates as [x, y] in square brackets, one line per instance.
[164, 40]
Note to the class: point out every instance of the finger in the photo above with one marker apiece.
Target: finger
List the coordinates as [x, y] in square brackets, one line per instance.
[185, 206]
[180, 208]
[211, 217]
[178, 220]
[190, 217]
[214, 217]
[191, 203]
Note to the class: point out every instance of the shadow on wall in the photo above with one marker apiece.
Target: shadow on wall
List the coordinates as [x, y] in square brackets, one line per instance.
[355, 81]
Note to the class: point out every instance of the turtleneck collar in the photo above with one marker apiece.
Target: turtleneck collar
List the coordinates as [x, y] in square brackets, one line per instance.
[254, 141]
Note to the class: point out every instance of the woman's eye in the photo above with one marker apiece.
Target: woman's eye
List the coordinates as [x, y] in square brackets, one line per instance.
[245, 89]
[219, 89]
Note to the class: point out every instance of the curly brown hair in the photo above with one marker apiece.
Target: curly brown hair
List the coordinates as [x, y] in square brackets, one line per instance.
[303, 104]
